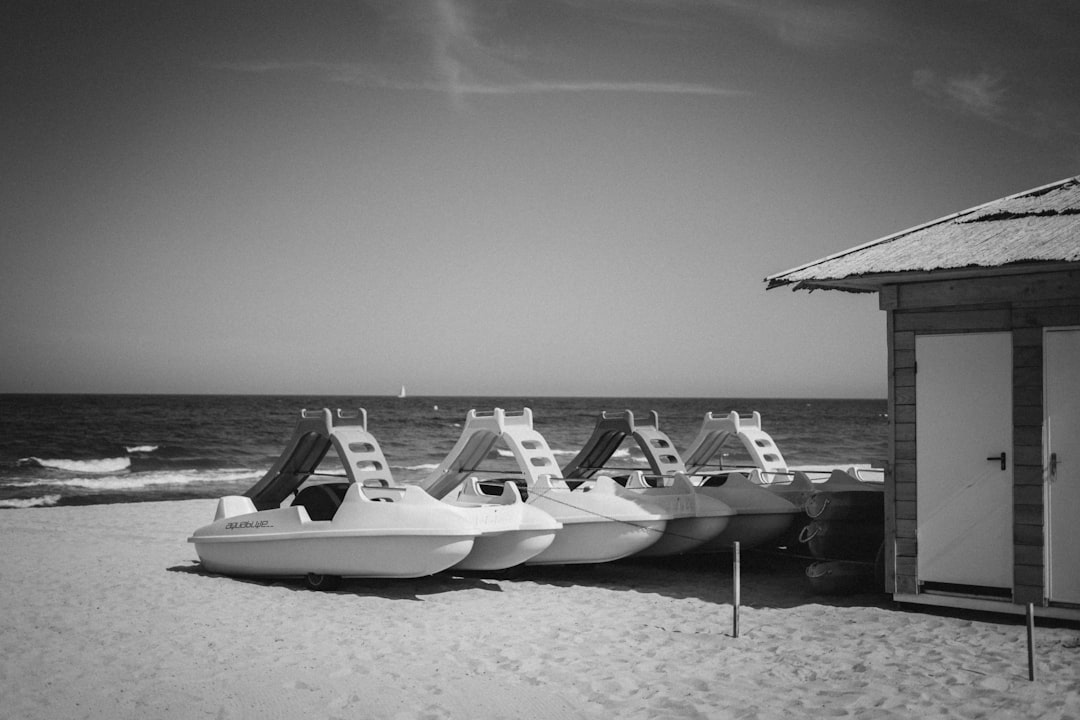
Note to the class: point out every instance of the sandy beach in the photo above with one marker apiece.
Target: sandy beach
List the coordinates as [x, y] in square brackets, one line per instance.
[107, 614]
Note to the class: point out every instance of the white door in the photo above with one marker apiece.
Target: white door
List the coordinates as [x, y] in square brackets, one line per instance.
[963, 388]
[1062, 457]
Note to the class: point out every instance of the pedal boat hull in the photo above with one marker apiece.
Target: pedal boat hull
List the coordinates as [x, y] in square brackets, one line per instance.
[601, 521]
[760, 516]
[385, 532]
[510, 531]
[696, 518]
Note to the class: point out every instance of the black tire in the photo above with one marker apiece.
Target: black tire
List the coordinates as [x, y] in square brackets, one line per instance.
[318, 581]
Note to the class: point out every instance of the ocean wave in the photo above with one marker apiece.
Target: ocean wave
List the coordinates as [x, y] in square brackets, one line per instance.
[100, 465]
[136, 481]
[43, 501]
[422, 466]
[141, 448]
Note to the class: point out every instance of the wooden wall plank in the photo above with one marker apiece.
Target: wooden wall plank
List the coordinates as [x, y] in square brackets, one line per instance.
[1039, 288]
[1028, 476]
[906, 584]
[1027, 414]
[1028, 555]
[1028, 535]
[1027, 436]
[906, 547]
[1048, 316]
[1024, 594]
[887, 297]
[1029, 576]
[905, 453]
[1028, 514]
[1028, 494]
[995, 319]
[1027, 455]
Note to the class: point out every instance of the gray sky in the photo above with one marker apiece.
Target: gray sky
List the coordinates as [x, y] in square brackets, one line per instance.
[521, 198]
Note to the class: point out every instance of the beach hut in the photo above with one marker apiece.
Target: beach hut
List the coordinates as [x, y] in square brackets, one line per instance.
[983, 319]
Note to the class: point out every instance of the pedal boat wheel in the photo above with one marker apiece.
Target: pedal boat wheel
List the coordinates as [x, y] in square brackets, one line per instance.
[318, 581]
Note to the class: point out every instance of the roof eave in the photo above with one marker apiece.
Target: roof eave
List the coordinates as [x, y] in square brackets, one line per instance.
[856, 284]
[873, 282]
[868, 282]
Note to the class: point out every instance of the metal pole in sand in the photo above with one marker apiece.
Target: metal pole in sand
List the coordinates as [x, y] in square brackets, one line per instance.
[1031, 641]
[736, 589]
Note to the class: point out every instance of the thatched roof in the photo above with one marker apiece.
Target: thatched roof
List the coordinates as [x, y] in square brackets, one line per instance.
[1039, 226]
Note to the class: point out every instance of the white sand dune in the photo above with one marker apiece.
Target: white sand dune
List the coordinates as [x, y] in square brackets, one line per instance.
[106, 614]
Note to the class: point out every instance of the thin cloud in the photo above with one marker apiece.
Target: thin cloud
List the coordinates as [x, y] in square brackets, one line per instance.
[454, 84]
[810, 26]
[984, 96]
[615, 87]
[451, 54]
[541, 87]
[981, 95]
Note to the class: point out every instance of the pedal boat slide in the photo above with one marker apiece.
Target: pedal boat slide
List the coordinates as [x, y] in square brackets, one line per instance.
[759, 517]
[601, 521]
[696, 517]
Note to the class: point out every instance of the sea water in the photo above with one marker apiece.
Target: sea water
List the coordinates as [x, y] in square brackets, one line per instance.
[89, 449]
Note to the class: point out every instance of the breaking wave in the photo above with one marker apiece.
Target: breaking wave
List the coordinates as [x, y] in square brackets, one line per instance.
[136, 481]
[43, 501]
[103, 466]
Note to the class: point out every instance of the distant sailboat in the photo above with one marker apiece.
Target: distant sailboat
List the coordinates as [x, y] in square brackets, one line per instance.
[402, 393]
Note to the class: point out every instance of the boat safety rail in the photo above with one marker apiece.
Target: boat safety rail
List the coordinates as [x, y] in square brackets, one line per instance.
[622, 474]
[492, 471]
[602, 516]
[616, 468]
[721, 469]
[661, 531]
[369, 482]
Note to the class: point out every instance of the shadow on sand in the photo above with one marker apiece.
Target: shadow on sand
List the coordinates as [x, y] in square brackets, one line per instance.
[388, 588]
[767, 580]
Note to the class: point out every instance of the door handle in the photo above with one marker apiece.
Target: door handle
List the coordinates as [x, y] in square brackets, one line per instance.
[997, 458]
[1053, 464]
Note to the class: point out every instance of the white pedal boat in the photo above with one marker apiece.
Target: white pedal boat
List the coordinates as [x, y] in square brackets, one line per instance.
[297, 522]
[723, 435]
[696, 517]
[819, 489]
[601, 521]
[758, 515]
[762, 517]
[511, 532]
[376, 532]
